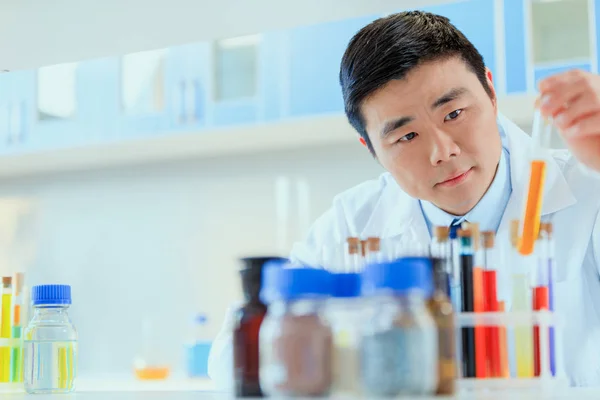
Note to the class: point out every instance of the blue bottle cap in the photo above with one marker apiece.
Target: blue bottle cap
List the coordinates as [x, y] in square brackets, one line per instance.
[283, 283]
[346, 284]
[400, 276]
[51, 294]
[200, 319]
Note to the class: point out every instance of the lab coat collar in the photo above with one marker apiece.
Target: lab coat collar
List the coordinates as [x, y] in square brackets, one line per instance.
[396, 213]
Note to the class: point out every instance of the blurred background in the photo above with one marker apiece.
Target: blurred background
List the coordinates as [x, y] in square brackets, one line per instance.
[146, 146]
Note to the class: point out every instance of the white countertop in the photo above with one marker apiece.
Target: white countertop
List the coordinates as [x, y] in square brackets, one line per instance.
[203, 389]
[579, 394]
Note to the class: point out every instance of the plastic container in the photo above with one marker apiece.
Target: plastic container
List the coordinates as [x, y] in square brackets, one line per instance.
[50, 342]
[295, 337]
[344, 313]
[198, 349]
[249, 319]
[399, 346]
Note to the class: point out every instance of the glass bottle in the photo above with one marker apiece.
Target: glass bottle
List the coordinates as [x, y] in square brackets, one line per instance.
[246, 331]
[50, 345]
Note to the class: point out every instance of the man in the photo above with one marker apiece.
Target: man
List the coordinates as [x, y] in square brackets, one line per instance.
[424, 104]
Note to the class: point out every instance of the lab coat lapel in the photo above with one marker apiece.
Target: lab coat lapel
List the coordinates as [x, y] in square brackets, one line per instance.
[397, 216]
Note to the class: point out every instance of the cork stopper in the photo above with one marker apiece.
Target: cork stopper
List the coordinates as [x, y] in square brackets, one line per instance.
[441, 233]
[488, 239]
[363, 248]
[514, 232]
[6, 281]
[464, 232]
[373, 244]
[474, 228]
[547, 228]
[353, 245]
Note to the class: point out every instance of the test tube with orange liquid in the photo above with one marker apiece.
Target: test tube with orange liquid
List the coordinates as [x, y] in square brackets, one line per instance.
[532, 210]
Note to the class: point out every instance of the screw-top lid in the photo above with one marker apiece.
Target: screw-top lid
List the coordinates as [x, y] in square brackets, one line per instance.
[400, 276]
[295, 283]
[51, 294]
[346, 284]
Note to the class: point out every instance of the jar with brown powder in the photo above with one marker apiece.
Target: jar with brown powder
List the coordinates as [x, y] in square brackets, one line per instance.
[295, 338]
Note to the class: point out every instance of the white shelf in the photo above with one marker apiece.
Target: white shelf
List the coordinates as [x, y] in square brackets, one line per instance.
[325, 130]
[246, 139]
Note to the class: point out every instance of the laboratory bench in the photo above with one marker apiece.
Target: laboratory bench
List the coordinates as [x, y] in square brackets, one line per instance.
[579, 394]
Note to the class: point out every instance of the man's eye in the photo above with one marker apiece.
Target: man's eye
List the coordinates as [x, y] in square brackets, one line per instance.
[453, 115]
[408, 137]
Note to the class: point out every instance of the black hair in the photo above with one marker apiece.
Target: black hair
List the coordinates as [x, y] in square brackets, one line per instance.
[388, 48]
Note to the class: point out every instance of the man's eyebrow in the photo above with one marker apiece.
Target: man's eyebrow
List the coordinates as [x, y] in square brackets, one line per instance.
[447, 97]
[394, 124]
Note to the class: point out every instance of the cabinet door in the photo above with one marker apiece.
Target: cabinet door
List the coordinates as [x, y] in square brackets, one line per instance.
[143, 99]
[561, 38]
[234, 93]
[53, 114]
[188, 85]
[98, 95]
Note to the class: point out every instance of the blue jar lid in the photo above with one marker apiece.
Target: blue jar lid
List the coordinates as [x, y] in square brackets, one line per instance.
[400, 276]
[51, 294]
[346, 284]
[283, 283]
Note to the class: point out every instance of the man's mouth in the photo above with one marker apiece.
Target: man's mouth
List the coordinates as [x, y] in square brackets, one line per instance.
[456, 178]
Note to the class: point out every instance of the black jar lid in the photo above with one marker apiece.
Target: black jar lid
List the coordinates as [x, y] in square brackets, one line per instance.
[251, 274]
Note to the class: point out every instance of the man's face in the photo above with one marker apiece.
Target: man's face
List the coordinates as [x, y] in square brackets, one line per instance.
[435, 131]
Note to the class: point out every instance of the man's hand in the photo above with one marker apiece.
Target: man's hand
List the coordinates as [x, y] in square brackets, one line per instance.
[572, 99]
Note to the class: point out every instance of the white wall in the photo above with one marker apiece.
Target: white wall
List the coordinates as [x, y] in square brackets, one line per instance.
[35, 33]
[162, 240]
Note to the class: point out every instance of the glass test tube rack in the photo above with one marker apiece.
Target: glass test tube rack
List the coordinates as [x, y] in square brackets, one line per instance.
[510, 323]
[14, 346]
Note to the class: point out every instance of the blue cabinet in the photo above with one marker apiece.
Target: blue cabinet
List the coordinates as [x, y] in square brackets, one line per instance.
[316, 52]
[476, 19]
[238, 81]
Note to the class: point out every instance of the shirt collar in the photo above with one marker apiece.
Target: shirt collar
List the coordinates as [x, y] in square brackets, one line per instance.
[487, 212]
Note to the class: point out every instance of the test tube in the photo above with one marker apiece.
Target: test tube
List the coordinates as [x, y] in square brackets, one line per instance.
[540, 297]
[373, 245]
[353, 253]
[467, 301]
[520, 303]
[363, 252]
[17, 360]
[532, 209]
[440, 256]
[5, 328]
[547, 229]
[455, 276]
[491, 303]
[478, 302]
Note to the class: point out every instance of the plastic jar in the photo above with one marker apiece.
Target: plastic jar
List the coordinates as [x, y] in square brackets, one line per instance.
[344, 312]
[295, 337]
[399, 346]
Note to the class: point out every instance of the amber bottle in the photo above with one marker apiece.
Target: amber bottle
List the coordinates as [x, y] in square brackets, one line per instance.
[245, 334]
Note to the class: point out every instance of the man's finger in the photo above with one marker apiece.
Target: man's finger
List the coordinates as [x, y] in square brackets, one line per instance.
[579, 108]
[586, 126]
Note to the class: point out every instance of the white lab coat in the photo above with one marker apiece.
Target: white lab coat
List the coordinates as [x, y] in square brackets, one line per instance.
[572, 200]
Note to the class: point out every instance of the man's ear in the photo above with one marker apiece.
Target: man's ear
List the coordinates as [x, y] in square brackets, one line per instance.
[490, 83]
